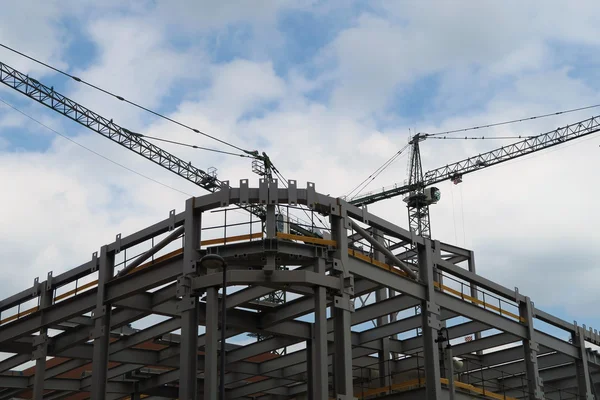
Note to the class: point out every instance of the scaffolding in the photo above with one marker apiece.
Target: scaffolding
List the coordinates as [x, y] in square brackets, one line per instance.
[132, 323]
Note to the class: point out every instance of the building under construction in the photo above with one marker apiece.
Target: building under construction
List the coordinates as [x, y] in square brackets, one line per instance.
[351, 308]
[426, 299]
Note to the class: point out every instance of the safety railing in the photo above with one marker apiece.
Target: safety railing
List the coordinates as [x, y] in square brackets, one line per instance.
[449, 284]
[370, 383]
[496, 378]
[230, 231]
[85, 283]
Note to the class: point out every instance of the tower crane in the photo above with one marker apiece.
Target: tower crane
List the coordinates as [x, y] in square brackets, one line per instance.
[419, 192]
[135, 142]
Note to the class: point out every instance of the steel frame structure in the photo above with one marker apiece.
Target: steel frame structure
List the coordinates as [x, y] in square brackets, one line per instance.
[95, 354]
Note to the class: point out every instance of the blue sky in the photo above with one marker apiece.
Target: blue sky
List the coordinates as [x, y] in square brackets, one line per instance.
[330, 91]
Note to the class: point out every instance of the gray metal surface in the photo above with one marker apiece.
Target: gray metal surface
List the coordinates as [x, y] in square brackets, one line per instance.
[342, 348]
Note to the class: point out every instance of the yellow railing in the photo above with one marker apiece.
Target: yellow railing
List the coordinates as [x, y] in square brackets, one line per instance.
[420, 382]
[94, 283]
[305, 239]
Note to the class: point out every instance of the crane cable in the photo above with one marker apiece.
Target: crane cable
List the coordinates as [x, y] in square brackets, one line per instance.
[185, 144]
[376, 173]
[513, 121]
[123, 99]
[90, 150]
[480, 137]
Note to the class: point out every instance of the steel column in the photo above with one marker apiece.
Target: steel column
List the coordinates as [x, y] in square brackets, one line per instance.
[342, 307]
[101, 331]
[319, 340]
[584, 385]
[471, 266]
[382, 295]
[310, 368]
[531, 349]
[212, 344]
[449, 372]
[41, 342]
[188, 305]
[430, 312]
[271, 232]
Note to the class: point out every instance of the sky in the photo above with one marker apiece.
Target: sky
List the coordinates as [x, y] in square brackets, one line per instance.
[330, 90]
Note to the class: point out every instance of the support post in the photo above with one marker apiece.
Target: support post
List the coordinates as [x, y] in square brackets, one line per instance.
[342, 307]
[41, 342]
[310, 366]
[101, 331]
[212, 343]
[188, 305]
[271, 233]
[430, 313]
[471, 266]
[584, 385]
[449, 371]
[320, 364]
[381, 295]
[531, 348]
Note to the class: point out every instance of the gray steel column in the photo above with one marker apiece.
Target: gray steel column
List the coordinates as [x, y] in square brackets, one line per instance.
[471, 266]
[212, 344]
[101, 331]
[380, 295]
[393, 317]
[449, 372]
[319, 342]
[188, 305]
[531, 349]
[342, 307]
[310, 368]
[271, 232]
[40, 342]
[430, 312]
[584, 385]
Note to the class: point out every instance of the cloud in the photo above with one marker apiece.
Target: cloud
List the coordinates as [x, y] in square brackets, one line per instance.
[524, 219]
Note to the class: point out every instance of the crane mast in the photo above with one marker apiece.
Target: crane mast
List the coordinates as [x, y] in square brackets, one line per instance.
[416, 200]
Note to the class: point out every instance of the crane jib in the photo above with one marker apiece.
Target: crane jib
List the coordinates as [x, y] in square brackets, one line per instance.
[105, 127]
[52, 99]
[490, 158]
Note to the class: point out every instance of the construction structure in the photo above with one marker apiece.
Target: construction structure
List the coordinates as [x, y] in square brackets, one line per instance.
[354, 308]
[93, 353]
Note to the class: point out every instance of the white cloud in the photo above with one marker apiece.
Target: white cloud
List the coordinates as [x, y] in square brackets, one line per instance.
[241, 86]
[392, 47]
[63, 203]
